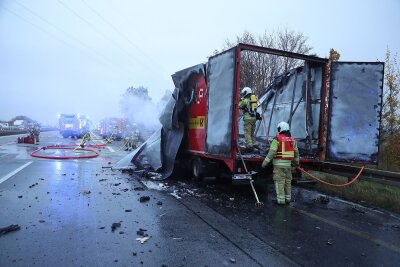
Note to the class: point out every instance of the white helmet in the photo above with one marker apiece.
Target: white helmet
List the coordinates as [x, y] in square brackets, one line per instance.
[282, 126]
[246, 91]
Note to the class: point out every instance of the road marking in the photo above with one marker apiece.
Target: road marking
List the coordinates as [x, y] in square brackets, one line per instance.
[111, 149]
[8, 143]
[352, 231]
[4, 178]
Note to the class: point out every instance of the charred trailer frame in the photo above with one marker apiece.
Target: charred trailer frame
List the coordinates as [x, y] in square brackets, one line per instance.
[211, 92]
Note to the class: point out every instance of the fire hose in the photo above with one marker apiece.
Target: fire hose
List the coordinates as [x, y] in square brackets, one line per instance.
[94, 155]
[330, 184]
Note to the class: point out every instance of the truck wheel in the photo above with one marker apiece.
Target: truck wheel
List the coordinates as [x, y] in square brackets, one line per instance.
[197, 168]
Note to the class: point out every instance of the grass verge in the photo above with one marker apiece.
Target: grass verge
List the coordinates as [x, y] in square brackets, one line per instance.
[362, 192]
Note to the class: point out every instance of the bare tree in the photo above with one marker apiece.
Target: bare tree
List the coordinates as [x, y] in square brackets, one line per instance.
[390, 131]
[391, 102]
[258, 70]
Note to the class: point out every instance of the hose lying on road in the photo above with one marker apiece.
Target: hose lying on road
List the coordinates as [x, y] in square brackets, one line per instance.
[327, 183]
[36, 155]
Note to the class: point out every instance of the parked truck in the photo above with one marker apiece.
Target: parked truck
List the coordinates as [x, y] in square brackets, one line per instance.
[68, 125]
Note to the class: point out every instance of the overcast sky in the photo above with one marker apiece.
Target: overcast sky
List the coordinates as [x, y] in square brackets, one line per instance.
[79, 56]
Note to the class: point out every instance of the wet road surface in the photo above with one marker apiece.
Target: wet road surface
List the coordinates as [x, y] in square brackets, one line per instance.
[82, 213]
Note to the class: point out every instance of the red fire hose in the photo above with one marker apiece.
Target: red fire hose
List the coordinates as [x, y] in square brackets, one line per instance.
[327, 183]
[95, 153]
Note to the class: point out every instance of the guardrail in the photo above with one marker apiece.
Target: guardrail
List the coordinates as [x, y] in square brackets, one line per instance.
[379, 176]
[5, 131]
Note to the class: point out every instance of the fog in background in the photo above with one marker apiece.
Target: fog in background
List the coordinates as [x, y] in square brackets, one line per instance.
[79, 56]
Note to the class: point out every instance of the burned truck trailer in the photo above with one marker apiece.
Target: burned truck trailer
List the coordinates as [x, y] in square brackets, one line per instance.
[342, 126]
[202, 128]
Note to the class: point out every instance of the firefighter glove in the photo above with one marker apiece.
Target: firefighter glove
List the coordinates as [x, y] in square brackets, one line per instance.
[265, 163]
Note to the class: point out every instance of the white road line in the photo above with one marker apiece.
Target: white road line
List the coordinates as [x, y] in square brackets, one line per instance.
[4, 178]
[111, 149]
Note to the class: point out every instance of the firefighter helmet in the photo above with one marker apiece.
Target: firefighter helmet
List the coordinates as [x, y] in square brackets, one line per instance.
[282, 127]
[246, 91]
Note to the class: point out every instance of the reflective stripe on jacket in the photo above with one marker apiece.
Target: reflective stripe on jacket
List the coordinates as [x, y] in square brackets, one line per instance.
[285, 147]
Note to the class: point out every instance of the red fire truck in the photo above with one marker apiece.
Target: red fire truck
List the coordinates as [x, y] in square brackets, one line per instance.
[112, 127]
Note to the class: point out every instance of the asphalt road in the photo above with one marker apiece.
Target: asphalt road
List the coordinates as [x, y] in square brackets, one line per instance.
[80, 212]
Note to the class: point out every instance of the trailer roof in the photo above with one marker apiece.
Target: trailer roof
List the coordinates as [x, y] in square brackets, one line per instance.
[278, 52]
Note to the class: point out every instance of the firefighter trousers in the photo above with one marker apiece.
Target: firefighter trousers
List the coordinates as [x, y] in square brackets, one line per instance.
[249, 130]
[283, 184]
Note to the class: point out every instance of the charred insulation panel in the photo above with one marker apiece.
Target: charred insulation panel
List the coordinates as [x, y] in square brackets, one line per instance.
[220, 80]
[295, 97]
[354, 111]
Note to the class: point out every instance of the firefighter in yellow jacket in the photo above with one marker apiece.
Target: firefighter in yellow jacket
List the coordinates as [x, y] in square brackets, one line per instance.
[248, 103]
[282, 152]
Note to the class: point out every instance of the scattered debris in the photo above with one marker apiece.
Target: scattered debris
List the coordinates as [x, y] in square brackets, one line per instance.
[396, 226]
[322, 199]
[177, 238]
[143, 239]
[134, 253]
[128, 210]
[121, 232]
[33, 185]
[232, 260]
[115, 226]
[144, 198]
[231, 199]
[86, 192]
[19, 196]
[106, 167]
[125, 189]
[175, 195]
[141, 232]
[116, 194]
[138, 188]
[329, 242]
[102, 227]
[159, 203]
[355, 209]
[42, 221]
[41, 179]
[10, 228]
[102, 180]
[153, 175]
[117, 184]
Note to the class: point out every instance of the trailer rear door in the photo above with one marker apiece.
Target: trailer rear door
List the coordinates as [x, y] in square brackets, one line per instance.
[354, 115]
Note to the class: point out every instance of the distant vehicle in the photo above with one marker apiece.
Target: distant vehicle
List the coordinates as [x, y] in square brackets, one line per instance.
[72, 125]
[84, 125]
[113, 127]
[68, 125]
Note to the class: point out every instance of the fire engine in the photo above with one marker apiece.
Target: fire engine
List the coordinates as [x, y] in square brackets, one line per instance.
[112, 127]
[72, 125]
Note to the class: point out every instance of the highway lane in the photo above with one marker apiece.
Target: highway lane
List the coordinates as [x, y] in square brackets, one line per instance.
[82, 213]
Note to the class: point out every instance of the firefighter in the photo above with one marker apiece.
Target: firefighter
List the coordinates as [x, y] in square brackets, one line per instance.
[248, 104]
[35, 132]
[282, 152]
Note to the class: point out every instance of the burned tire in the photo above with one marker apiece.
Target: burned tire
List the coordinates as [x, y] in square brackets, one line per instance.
[197, 168]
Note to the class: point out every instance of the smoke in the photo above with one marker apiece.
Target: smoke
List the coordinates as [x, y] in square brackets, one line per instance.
[140, 109]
